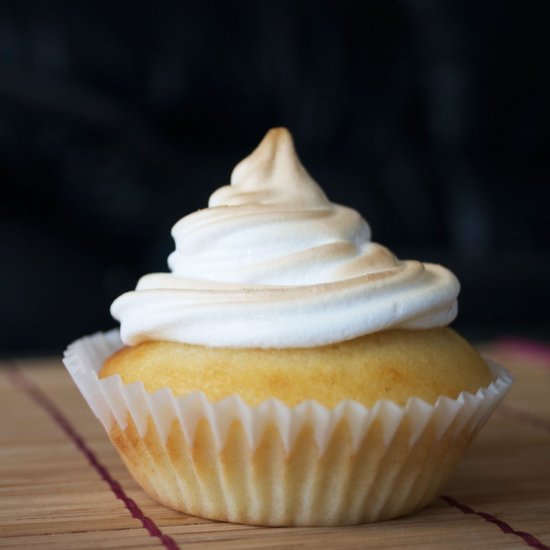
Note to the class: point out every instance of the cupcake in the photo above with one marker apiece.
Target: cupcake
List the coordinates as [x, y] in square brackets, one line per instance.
[288, 371]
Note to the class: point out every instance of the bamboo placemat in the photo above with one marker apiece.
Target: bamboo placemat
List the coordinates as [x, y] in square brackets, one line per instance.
[62, 484]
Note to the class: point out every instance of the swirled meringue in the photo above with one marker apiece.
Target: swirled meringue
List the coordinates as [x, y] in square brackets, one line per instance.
[273, 263]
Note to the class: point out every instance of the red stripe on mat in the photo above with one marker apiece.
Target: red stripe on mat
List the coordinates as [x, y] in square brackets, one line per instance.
[529, 349]
[20, 381]
[530, 419]
[528, 538]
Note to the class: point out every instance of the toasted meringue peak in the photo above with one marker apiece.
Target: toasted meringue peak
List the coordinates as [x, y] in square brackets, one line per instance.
[271, 174]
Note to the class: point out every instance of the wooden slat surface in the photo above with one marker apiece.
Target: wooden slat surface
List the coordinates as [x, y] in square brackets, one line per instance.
[51, 496]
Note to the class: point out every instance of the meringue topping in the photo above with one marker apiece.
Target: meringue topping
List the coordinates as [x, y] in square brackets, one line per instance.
[273, 263]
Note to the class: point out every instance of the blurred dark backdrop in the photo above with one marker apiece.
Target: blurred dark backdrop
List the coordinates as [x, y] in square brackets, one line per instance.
[117, 118]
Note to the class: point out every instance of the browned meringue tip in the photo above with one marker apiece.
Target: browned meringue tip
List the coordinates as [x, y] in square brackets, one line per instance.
[275, 142]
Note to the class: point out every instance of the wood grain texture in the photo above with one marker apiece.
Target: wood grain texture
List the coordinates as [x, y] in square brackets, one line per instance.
[51, 496]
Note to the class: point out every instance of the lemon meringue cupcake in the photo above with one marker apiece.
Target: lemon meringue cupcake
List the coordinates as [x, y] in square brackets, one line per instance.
[288, 371]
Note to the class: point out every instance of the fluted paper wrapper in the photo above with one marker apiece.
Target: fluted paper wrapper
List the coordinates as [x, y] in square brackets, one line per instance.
[277, 465]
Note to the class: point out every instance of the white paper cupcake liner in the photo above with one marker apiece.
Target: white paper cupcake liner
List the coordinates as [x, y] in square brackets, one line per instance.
[277, 465]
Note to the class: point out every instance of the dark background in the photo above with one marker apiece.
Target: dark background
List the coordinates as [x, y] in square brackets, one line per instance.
[117, 118]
